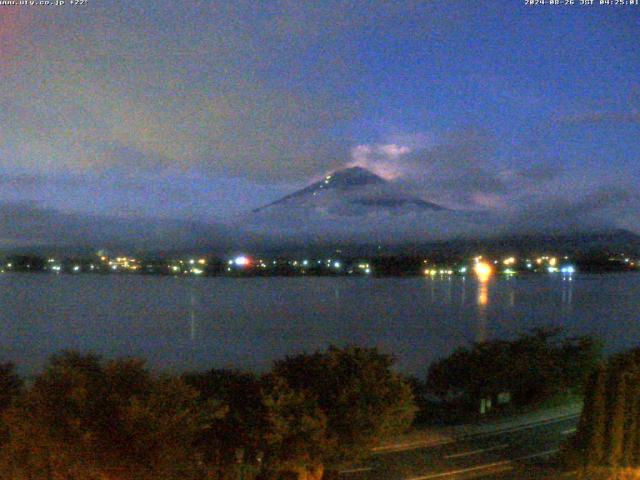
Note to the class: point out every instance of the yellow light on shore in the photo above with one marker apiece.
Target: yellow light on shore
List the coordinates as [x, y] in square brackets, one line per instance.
[483, 270]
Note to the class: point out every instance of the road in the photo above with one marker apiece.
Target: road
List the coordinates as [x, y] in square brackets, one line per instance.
[516, 452]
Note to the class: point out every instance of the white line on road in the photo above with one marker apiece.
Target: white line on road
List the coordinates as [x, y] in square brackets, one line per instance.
[475, 452]
[400, 447]
[483, 467]
[354, 470]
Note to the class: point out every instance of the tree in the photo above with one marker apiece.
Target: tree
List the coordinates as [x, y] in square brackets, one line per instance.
[10, 384]
[235, 439]
[10, 387]
[617, 421]
[631, 426]
[86, 419]
[590, 435]
[607, 441]
[533, 367]
[295, 439]
[597, 412]
[361, 397]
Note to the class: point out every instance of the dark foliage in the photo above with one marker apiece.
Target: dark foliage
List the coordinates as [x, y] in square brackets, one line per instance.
[608, 436]
[10, 384]
[84, 418]
[532, 368]
[239, 433]
[358, 392]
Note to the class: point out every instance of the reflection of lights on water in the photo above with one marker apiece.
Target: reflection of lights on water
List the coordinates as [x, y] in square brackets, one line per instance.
[483, 294]
[193, 325]
[483, 271]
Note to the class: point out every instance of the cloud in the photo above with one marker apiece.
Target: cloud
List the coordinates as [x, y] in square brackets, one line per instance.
[455, 169]
[26, 224]
[627, 112]
[458, 169]
[223, 87]
[21, 182]
[108, 97]
[29, 225]
[599, 117]
[13, 22]
[382, 159]
[597, 210]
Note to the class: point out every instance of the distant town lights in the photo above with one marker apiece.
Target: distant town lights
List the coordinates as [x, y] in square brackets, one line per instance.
[241, 261]
[483, 270]
[509, 261]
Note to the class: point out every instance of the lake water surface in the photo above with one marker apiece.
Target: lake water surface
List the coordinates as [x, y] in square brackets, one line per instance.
[199, 323]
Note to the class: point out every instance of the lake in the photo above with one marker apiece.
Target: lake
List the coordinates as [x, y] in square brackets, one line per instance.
[199, 323]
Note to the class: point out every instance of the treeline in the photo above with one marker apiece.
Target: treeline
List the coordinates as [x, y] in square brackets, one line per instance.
[607, 442]
[87, 418]
[528, 370]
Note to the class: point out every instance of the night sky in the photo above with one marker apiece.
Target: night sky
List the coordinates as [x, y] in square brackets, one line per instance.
[201, 110]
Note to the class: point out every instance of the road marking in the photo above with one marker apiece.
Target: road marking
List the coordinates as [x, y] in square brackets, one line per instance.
[354, 470]
[569, 474]
[483, 467]
[526, 426]
[569, 431]
[475, 452]
[400, 447]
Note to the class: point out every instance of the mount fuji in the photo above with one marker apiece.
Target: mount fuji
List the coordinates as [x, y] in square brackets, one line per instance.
[354, 204]
[353, 191]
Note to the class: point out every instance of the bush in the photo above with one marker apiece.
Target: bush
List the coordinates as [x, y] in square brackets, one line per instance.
[532, 368]
[86, 419]
[358, 392]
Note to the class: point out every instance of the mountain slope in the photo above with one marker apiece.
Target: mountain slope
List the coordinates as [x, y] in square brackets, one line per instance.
[351, 191]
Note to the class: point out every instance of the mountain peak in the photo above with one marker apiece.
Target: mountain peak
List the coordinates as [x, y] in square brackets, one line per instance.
[354, 189]
[351, 177]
